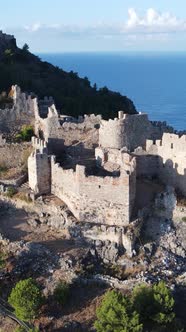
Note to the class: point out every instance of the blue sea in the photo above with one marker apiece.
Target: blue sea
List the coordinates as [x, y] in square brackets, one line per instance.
[155, 82]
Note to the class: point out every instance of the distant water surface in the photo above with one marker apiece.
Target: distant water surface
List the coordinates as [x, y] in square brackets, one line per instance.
[155, 82]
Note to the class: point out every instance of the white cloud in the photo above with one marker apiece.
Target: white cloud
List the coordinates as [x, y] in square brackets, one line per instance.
[34, 27]
[154, 21]
[137, 29]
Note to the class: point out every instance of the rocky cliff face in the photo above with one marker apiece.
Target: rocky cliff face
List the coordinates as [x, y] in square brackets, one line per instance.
[6, 42]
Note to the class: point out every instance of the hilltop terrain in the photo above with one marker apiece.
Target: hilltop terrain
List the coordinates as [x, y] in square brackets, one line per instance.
[72, 94]
[86, 205]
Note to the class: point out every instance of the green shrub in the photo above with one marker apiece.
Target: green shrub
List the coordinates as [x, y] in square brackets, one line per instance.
[117, 315]
[25, 134]
[19, 138]
[143, 302]
[148, 307]
[11, 191]
[154, 304]
[184, 219]
[164, 304]
[61, 292]
[26, 299]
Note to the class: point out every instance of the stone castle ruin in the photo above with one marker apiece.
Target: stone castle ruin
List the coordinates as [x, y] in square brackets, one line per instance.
[106, 172]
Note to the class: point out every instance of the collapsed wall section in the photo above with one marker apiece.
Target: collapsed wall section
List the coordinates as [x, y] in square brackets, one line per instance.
[58, 129]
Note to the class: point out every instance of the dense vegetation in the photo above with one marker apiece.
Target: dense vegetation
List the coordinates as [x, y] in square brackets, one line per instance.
[146, 309]
[73, 95]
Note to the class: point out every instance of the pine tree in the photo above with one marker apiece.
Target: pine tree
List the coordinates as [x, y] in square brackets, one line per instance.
[164, 304]
[116, 315]
[26, 299]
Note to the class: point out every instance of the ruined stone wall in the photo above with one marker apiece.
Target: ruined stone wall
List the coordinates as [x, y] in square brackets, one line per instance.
[115, 156]
[147, 165]
[104, 200]
[128, 131]
[172, 155]
[59, 130]
[39, 144]
[39, 172]
[22, 112]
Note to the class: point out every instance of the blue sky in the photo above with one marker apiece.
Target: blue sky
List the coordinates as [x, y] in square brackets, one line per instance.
[96, 25]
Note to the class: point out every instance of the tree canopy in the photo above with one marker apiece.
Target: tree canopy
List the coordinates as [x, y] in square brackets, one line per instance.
[146, 307]
[26, 299]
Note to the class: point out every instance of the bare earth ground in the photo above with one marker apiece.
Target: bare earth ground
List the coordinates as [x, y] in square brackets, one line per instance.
[83, 300]
[7, 325]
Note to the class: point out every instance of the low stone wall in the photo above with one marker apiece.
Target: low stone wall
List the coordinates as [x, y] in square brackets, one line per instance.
[17, 182]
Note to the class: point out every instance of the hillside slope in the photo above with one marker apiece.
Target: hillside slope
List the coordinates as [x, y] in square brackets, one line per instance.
[73, 95]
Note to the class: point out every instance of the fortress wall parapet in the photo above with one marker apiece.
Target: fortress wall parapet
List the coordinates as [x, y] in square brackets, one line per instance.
[172, 153]
[57, 129]
[21, 113]
[115, 156]
[39, 144]
[169, 145]
[128, 131]
[93, 198]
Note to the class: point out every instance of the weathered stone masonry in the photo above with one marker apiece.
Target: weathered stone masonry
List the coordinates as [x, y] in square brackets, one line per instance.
[96, 199]
[171, 152]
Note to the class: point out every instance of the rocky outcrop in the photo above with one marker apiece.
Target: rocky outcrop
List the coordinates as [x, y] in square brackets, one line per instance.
[6, 42]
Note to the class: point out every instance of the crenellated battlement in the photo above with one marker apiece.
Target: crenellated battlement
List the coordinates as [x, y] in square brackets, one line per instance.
[21, 112]
[171, 151]
[39, 144]
[127, 130]
[170, 143]
[81, 191]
